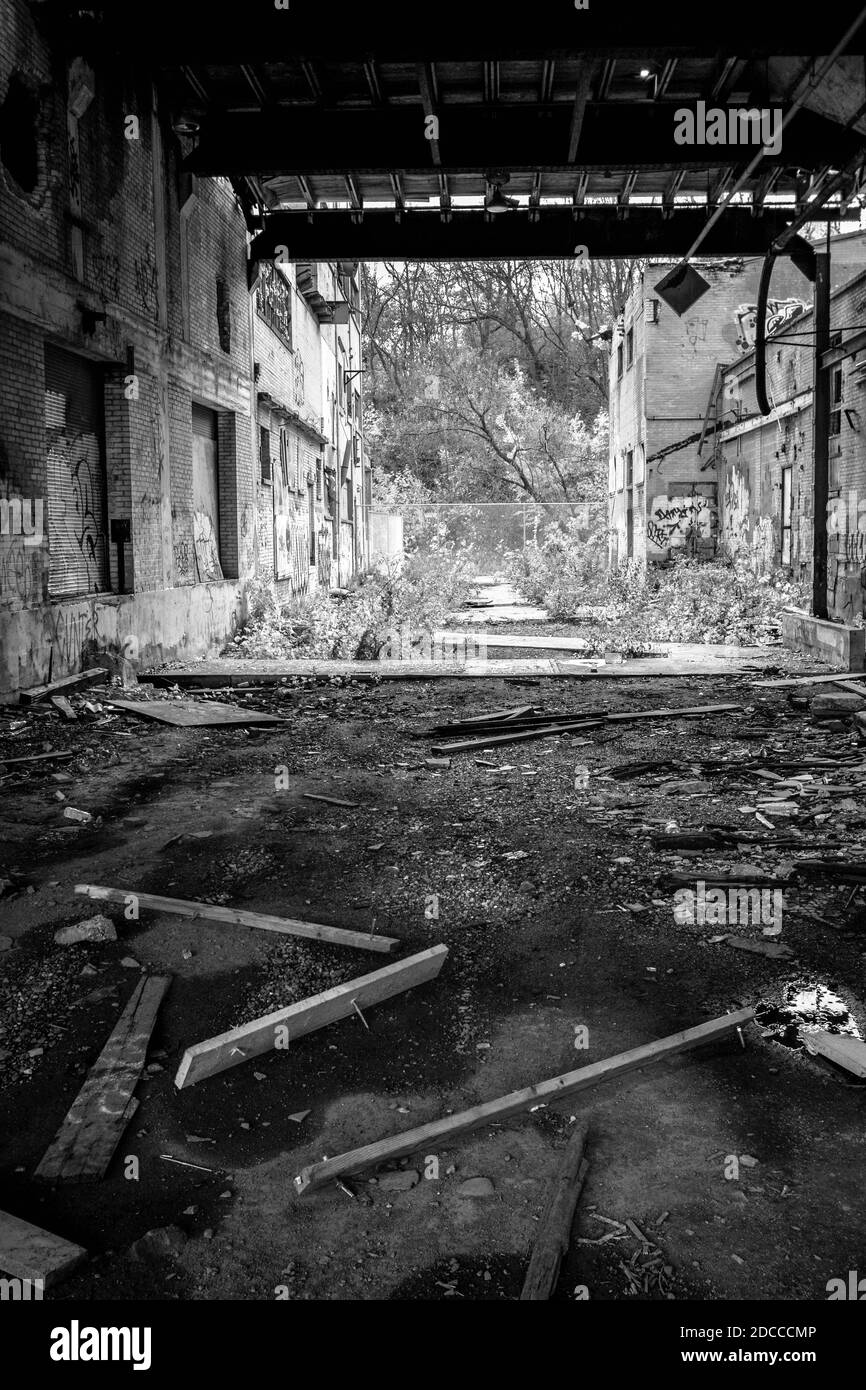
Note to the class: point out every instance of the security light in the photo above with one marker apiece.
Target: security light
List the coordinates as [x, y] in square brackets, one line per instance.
[496, 201]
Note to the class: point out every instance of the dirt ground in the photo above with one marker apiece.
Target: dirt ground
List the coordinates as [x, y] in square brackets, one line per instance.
[557, 912]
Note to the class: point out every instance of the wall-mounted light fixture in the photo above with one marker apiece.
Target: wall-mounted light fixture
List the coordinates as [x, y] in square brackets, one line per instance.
[496, 201]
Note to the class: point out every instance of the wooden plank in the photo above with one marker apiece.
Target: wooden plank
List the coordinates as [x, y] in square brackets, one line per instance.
[516, 640]
[239, 917]
[517, 723]
[94, 675]
[554, 1227]
[85, 1142]
[61, 704]
[39, 758]
[192, 714]
[329, 800]
[557, 1088]
[497, 715]
[261, 1035]
[28, 1252]
[836, 679]
[680, 712]
[846, 1052]
[469, 745]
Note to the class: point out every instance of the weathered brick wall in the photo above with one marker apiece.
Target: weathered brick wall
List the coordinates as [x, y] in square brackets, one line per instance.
[164, 280]
[753, 456]
[662, 400]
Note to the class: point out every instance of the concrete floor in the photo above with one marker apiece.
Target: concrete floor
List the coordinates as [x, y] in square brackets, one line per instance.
[578, 930]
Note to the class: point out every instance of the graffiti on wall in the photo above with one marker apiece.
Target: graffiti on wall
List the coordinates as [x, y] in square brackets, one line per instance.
[75, 509]
[73, 632]
[20, 573]
[206, 552]
[696, 331]
[779, 311]
[184, 562]
[681, 522]
[751, 540]
[146, 279]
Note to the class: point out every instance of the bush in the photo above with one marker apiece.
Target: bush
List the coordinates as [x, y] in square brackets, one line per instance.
[629, 608]
[417, 592]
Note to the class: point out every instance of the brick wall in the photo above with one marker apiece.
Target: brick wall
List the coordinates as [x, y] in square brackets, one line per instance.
[754, 455]
[108, 249]
[662, 400]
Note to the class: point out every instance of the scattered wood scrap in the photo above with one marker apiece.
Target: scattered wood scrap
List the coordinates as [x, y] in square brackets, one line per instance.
[679, 712]
[773, 949]
[277, 1029]
[515, 641]
[39, 758]
[554, 1227]
[729, 880]
[811, 680]
[399, 1145]
[95, 675]
[843, 870]
[470, 745]
[86, 1140]
[28, 1252]
[62, 705]
[192, 714]
[239, 917]
[330, 800]
[846, 1052]
[541, 726]
[496, 715]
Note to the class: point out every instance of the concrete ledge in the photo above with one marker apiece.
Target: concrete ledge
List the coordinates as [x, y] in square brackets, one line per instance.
[840, 646]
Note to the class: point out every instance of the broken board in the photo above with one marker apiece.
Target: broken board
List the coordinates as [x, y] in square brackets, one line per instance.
[469, 745]
[771, 949]
[62, 705]
[95, 675]
[28, 1252]
[845, 1051]
[238, 917]
[262, 1034]
[554, 1226]
[557, 1088]
[839, 677]
[85, 1142]
[192, 714]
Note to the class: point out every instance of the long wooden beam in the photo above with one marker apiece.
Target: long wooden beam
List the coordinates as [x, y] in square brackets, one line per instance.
[554, 1227]
[276, 1030]
[239, 917]
[471, 745]
[839, 676]
[85, 1142]
[557, 1088]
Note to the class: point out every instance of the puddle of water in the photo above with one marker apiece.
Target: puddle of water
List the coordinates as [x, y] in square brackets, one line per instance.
[805, 1007]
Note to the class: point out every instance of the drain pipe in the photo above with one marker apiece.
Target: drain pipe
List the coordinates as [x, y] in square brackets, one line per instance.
[803, 256]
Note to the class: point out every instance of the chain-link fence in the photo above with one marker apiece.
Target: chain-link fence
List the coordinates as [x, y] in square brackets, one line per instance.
[491, 533]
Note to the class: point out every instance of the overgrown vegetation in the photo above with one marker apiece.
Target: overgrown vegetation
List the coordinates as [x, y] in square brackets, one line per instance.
[416, 591]
[632, 607]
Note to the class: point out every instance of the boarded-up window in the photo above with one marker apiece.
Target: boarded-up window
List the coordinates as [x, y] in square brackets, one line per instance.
[224, 315]
[265, 453]
[77, 525]
[205, 494]
[274, 300]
